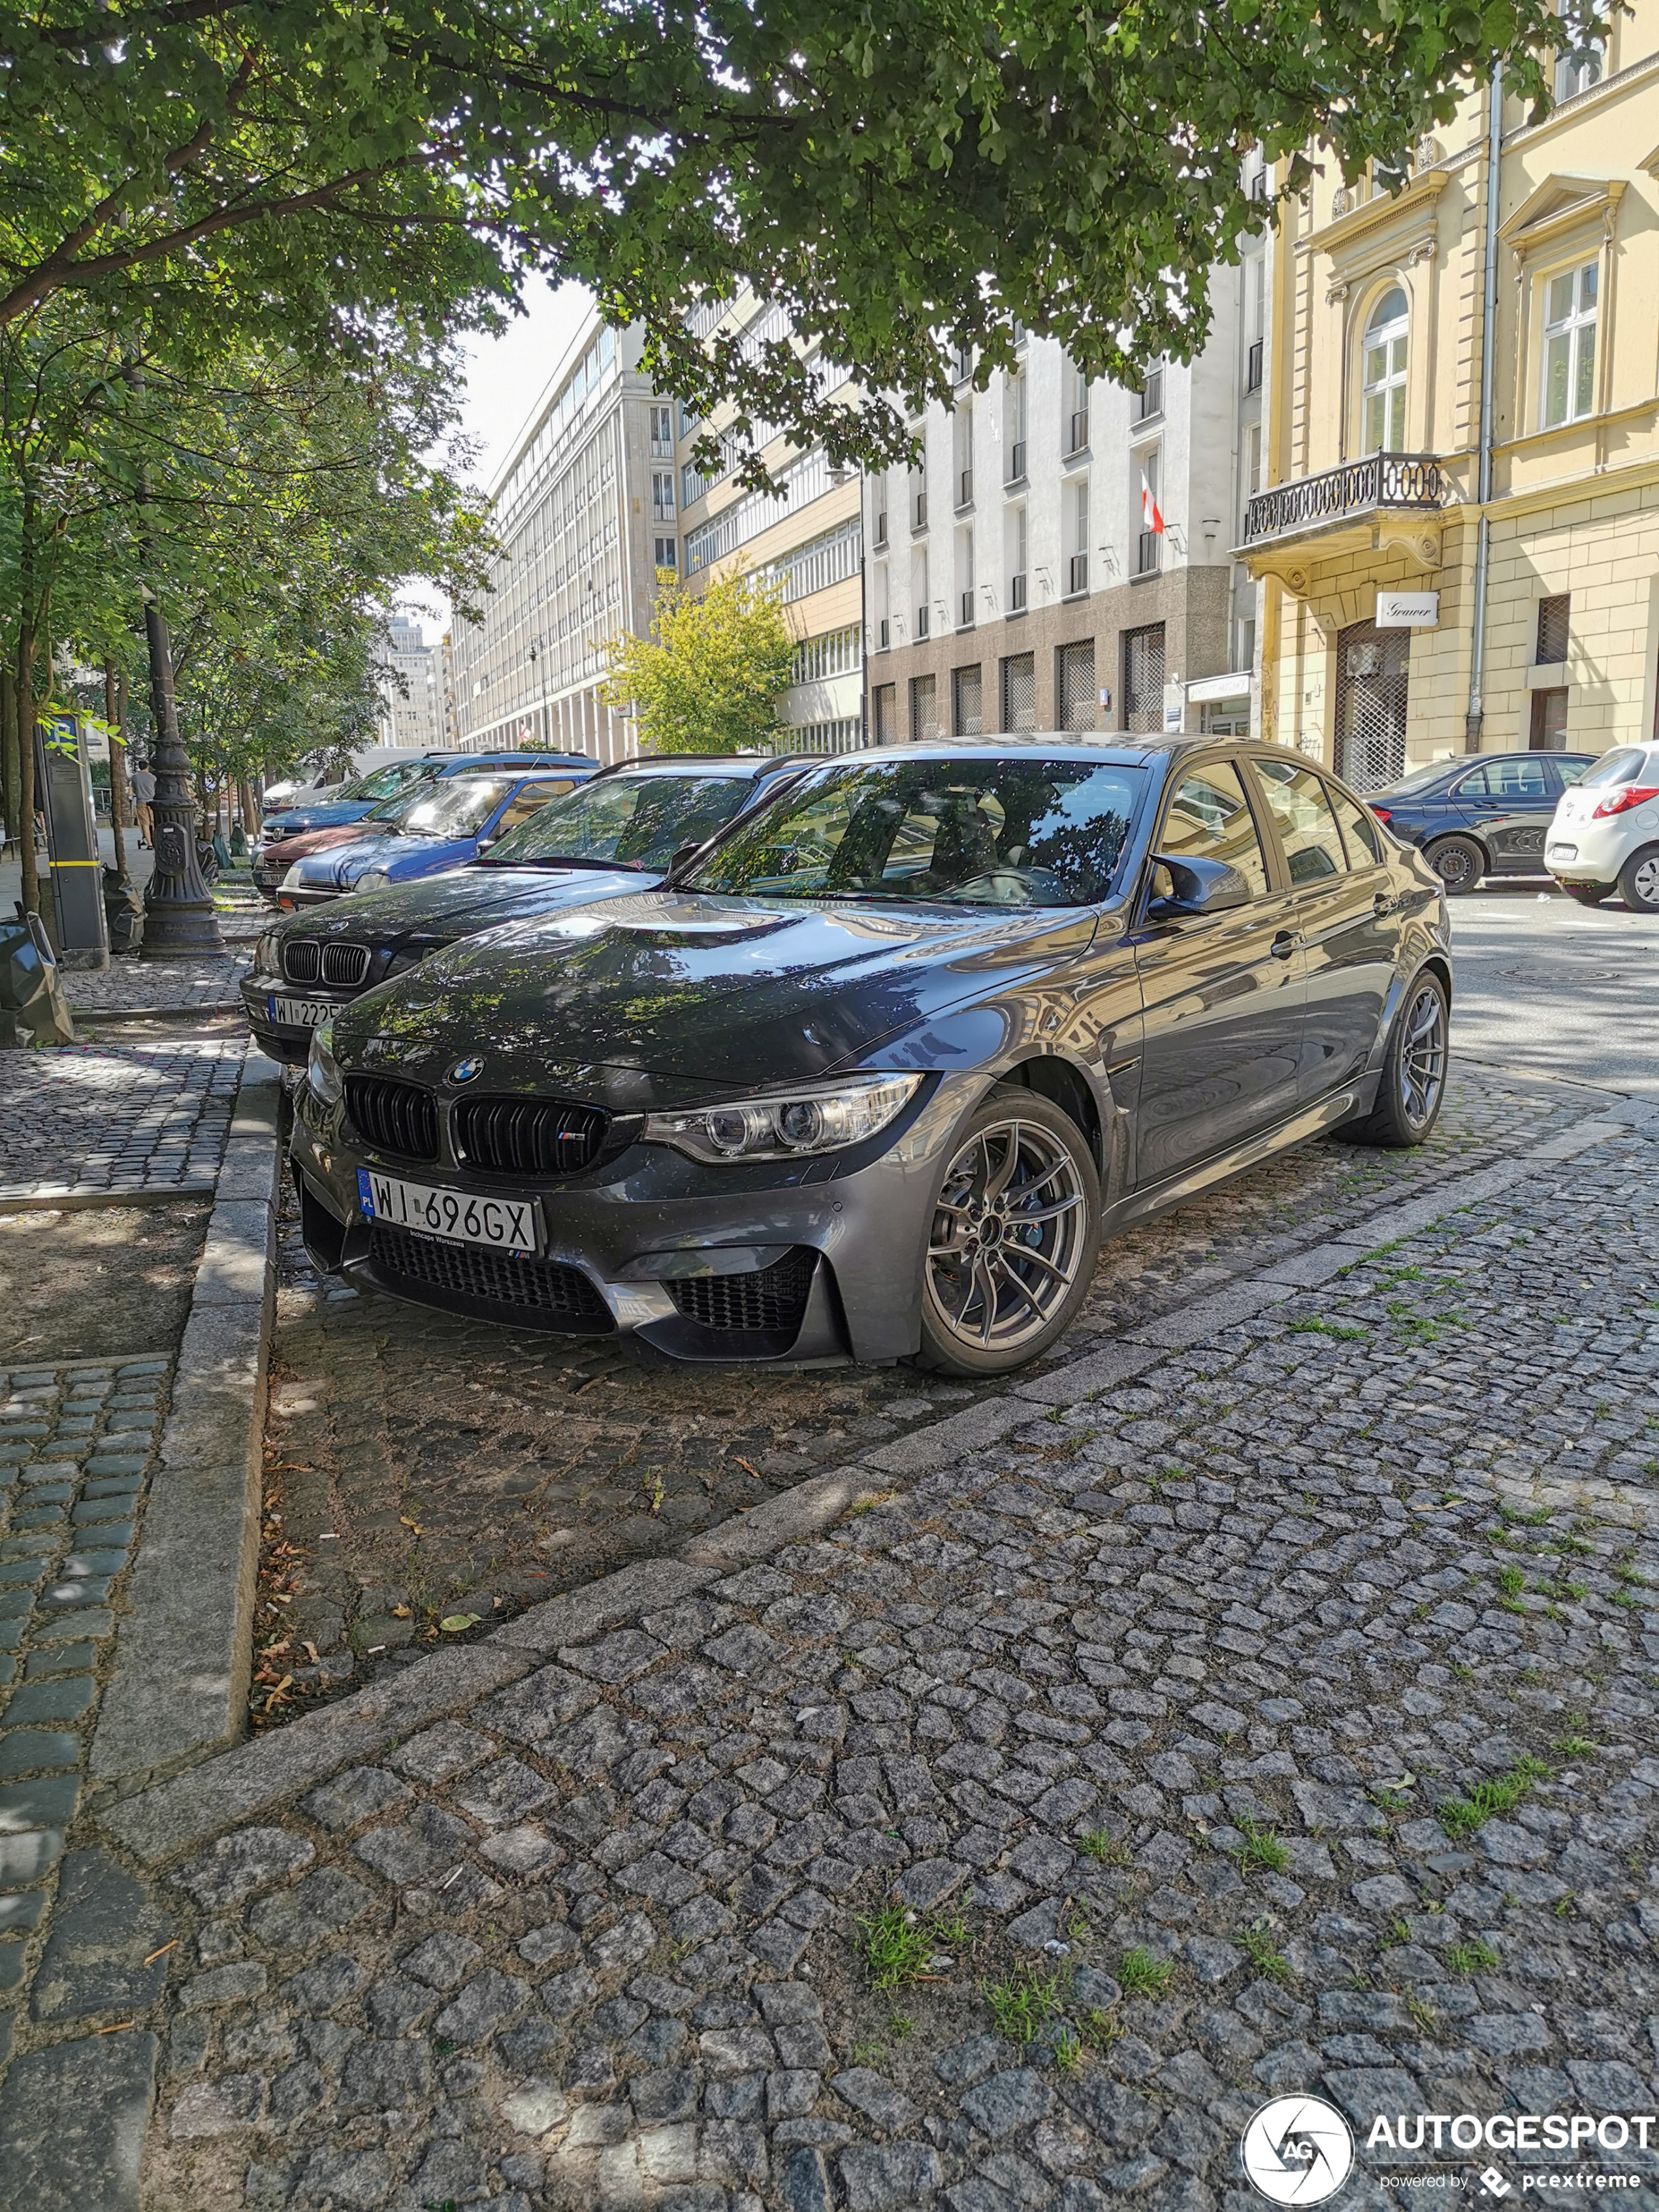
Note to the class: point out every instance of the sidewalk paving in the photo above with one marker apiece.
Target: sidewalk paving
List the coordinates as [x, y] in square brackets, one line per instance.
[89, 1120]
[1263, 1700]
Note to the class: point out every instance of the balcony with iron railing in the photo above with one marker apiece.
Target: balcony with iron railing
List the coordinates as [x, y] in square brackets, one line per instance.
[1384, 500]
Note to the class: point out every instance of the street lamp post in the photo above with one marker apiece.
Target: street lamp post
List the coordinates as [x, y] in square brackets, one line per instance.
[539, 664]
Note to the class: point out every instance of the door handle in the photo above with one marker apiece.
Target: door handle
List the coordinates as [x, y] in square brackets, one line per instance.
[1283, 945]
[1382, 904]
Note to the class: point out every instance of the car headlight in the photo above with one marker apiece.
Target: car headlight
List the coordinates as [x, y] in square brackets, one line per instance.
[787, 1126]
[267, 954]
[372, 879]
[292, 879]
[323, 1076]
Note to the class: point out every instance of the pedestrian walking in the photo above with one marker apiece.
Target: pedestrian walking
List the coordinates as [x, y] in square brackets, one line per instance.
[143, 791]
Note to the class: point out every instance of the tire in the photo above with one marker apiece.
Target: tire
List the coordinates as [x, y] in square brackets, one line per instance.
[1413, 1082]
[1587, 894]
[1029, 1263]
[1459, 862]
[1639, 880]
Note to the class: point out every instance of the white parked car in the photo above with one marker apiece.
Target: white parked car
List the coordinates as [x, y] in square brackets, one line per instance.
[1606, 831]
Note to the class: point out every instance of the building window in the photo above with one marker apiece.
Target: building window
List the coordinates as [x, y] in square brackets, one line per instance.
[667, 553]
[662, 434]
[1549, 722]
[1149, 545]
[1554, 618]
[1383, 388]
[835, 653]
[662, 495]
[1569, 344]
[964, 457]
[1020, 692]
[966, 703]
[1143, 679]
[1013, 427]
[1149, 400]
[924, 710]
[1077, 410]
[1076, 684]
[1576, 73]
[964, 578]
[883, 701]
[1014, 540]
[1077, 537]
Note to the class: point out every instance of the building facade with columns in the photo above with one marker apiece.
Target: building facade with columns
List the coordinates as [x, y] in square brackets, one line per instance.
[1013, 581]
[572, 509]
[1457, 536]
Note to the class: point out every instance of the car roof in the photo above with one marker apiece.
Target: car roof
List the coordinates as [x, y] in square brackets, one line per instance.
[724, 764]
[1120, 748]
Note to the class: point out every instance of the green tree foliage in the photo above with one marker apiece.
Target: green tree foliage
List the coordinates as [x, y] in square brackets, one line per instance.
[904, 181]
[707, 680]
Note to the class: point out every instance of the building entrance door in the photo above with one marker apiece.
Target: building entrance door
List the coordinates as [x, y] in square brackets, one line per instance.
[1371, 669]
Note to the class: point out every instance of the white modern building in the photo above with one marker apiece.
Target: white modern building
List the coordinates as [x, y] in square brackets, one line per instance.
[573, 508]
[412, 701]
[1061, 558]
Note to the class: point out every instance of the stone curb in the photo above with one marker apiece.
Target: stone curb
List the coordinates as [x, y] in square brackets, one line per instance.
[183, 1812]
[184, 1649]
[81, 1202]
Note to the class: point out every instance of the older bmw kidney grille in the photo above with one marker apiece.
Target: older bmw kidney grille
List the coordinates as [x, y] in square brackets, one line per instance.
[305, 961]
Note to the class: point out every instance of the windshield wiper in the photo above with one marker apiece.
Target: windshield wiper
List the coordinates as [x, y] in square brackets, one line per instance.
[560, 860]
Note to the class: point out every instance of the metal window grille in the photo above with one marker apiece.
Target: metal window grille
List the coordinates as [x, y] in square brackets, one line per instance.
[968, 701]
[1077, 685]
[924, 710]
[1020, 692]
[883, 701]
[1553, 626]
[1371, 682]
[1143, 679]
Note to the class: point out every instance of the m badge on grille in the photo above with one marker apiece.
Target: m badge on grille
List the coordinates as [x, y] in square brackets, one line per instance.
[464, 1070]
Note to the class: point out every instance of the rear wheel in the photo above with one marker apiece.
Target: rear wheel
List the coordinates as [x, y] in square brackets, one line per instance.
[1413, 1071]
[1012, 1239]
[1587, 894]
[1639, 880]
[1459, 862]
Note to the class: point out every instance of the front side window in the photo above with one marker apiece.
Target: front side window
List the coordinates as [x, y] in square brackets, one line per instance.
[1209, 818]
[1383, 373]
[531, 801]
[1569, 306]
[624, 821]
[1301, 809]
[1023, 832]
[459, 807]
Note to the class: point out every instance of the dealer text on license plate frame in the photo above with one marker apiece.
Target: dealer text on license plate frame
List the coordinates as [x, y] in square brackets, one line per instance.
[299, 1013]
[457, 1216]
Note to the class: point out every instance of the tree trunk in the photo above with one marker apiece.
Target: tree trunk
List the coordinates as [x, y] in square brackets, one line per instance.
[117, 768]
[249, 812]
[9, 793]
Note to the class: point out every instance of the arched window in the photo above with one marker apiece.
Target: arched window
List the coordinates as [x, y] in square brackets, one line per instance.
[1382, 391]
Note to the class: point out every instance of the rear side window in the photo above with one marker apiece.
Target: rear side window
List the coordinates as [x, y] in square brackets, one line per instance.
[1360, 832]
[1210, 819]
[1302, 813]
[1622, 765]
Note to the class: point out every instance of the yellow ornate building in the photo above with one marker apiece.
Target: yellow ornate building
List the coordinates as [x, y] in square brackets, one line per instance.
[1457, 534]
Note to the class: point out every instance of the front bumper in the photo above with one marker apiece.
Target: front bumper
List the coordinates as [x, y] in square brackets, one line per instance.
[676, 1259]
[280, 1041]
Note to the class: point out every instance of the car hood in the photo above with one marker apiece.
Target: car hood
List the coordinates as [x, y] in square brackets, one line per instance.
[291, 821]
[317, 841]
[663, 995]
[329, 858]
[438, 908]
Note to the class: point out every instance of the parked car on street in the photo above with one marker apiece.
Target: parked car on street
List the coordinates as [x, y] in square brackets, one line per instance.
[270, 863]
[350, 805]
[449, 823]
[618, 831]
[1487, 816]
[1606, 831]
[874, 1074]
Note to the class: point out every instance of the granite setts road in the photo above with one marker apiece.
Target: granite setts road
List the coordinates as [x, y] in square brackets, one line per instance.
[1279, 1715]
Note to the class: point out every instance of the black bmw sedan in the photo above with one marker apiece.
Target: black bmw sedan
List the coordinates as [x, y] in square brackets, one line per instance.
[618, 831]
[873, 1078]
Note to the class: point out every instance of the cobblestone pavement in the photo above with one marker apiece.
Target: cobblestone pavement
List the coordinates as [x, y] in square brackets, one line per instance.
[81, 1119]
[421, 1467]
[133, 983]
[1272, 1712]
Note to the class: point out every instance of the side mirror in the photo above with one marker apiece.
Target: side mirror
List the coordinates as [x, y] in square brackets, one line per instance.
[1181, 888]
[686, 854]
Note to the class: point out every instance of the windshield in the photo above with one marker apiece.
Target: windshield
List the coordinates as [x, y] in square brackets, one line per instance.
[394, 809]
[1417, 779]
[978, 832]
[458, 807]
[625, 821]
[385, 781]
[1622, 766]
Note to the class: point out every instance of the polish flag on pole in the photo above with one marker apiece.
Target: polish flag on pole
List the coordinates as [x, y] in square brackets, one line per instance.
[1151, 519]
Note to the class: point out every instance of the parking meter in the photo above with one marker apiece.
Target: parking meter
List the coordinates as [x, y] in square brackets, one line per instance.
[63, 786]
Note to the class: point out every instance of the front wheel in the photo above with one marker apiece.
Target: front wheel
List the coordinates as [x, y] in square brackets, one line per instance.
[1638, 881]
[1460, 864]
[1413, 1083]
[1012, 1239]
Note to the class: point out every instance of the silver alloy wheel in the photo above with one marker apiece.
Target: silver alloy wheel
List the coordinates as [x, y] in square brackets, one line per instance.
[1008, 1240]
[1644, 880]
[1423, 1055]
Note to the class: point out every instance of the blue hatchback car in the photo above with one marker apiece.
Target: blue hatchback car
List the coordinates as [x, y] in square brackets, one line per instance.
[447, 826]
[357, 800]
[1485, 816]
